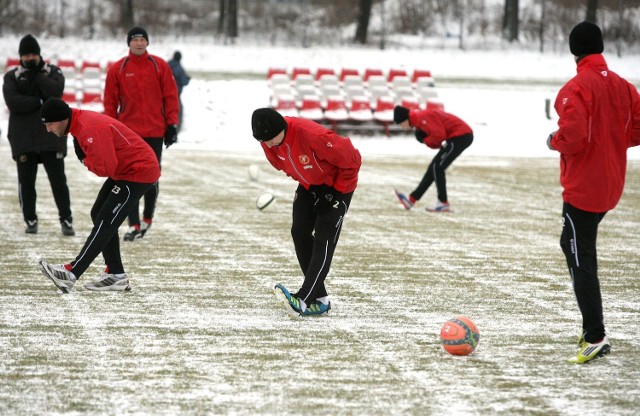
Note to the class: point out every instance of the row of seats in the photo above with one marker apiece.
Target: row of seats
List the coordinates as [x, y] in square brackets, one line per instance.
[84, 81]
[348, 98]
[349, 86]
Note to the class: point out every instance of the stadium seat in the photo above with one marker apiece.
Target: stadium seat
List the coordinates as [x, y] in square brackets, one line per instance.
[435, 105]
[347, 71]
[70, 72]
[410, 104]
[286, 106]
[360, 109]
[91, 81]
[368, 73]
[311, 108]
[383, 112]
[300, 71]
[272, 71]
[336, 111]
[324, 71]
[393, 73]
[420, 73]
[11, 63]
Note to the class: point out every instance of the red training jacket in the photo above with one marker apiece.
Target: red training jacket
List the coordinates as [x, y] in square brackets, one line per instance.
[314, 155]
[140, 92]
[112, 149]
[438, 125]
[599, 119]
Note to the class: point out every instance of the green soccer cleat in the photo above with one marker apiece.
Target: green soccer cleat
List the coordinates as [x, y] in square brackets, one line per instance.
[317, 309]
[290, 302]
[588, 351]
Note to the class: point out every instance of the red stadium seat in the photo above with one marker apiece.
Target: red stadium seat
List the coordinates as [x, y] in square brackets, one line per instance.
[346, 71]
[273, 71]
[395, 73]
[299, 71]
[370, 72]
[324, 71]
[11, 63]
[420, 73]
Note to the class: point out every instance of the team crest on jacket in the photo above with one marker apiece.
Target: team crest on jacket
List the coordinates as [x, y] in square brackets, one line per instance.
[304, 159]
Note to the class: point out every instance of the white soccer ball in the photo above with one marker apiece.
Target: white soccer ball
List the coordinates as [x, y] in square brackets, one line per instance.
[254, 172]
[265, 200]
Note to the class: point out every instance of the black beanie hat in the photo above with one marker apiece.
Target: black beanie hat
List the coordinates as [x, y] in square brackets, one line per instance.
[266, 124]
[400, 114]
[137, 32]
[54, 109]
[29, 44]
[586, 39]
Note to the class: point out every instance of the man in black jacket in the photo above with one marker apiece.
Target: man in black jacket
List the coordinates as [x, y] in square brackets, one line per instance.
[25, 89]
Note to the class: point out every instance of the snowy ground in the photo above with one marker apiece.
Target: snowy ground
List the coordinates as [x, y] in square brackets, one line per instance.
[201, 332]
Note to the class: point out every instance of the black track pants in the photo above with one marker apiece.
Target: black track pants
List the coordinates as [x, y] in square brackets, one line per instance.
[578, 242]
[113, 203]
[315, 237]
[435, 172]
[151, 196]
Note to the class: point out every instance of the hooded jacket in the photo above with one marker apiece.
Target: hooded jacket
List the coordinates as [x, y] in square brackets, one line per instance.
[24, 92]
[314, 155]
[112, 149]
[140, 92]
[599, 119]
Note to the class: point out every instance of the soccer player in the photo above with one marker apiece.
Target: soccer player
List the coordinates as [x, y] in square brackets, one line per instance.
[599, 119]
[326, 168]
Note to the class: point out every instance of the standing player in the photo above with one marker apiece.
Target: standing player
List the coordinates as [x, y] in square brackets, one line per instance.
[438, 130]
[599, 119]
[109, 149]
[141, 93]
[326, 167]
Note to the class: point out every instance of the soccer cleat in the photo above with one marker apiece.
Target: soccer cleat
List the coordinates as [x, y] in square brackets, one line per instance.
[67, 228]
[32, 227]
[291, 303]
[317, 308]
[406, 202]
[133, 233]
[588, 351]
[440, 207]
[59, 275]
[108, 281]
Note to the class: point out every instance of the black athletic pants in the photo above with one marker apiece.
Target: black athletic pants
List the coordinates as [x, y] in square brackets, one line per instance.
[315, 237]
[113, 203]
[151, 196]
[578, 242]
[451, 149]
[53, 163]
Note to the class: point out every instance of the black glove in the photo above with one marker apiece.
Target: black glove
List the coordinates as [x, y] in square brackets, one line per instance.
[170, 135]
[76, 146]
[420, 135]
[549, 140]
[325, 198]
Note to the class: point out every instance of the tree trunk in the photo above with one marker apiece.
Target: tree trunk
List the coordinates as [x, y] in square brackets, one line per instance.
[592, 8]
[510, 22]
[126, 14]
[363, 21]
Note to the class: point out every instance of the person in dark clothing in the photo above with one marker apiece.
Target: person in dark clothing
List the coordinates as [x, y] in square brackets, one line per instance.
[25, 88]
[599, 119]
[326, 167]
[182, 80]
[111, 150]
[437, 130]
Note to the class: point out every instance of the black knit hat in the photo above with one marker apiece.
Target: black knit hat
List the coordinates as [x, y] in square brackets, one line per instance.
[137, 32]
[586, 39]
[400, 114]
[54, 109]
[29, 44]
[266, 124]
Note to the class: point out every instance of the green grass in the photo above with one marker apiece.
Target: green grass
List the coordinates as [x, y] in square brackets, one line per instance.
[201, 333]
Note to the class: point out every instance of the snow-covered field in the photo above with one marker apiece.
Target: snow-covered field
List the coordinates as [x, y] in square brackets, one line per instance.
[201, 332]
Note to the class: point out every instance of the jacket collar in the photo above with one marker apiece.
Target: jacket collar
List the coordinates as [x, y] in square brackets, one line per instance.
[595, 61]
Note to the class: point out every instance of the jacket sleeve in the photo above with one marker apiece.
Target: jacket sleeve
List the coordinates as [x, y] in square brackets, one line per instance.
[100, 154]
[17, 102]
[635, 116]
[339, 152]
[112, 91]
[170, 98]
[50, 82]
[573, 124]
[429, 122]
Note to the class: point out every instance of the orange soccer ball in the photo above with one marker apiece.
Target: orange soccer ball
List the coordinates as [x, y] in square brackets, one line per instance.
[459, 336]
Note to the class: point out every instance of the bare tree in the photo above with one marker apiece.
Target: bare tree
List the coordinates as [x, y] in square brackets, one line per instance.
[126, 14]
[592, 8]
[363, 21]
[228, 20]
[510, 22]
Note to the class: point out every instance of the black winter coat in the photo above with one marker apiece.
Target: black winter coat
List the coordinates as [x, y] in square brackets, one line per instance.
[24, 92]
